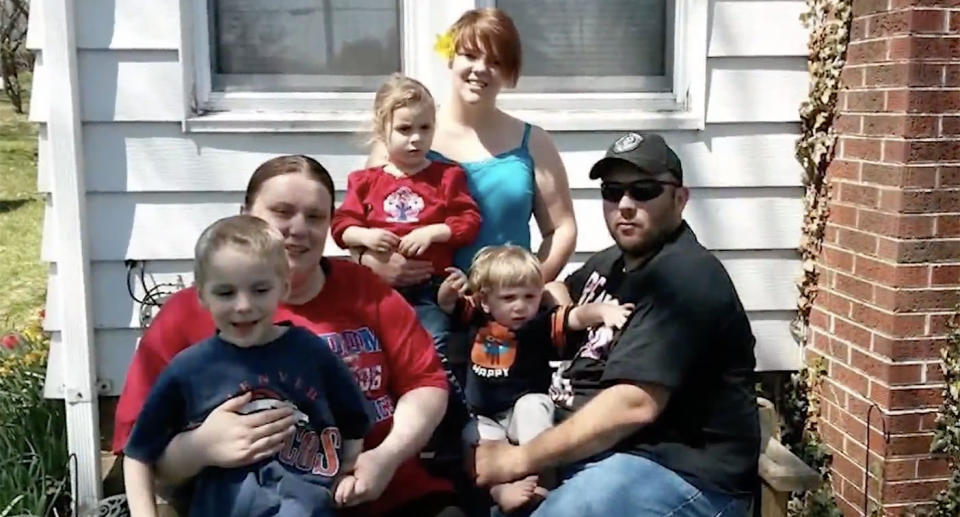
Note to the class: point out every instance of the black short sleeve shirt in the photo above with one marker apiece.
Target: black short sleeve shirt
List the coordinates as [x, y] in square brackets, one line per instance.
[507, 364]
[690, 334]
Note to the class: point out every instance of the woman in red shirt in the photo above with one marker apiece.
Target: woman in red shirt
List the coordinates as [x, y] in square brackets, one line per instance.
[363, 321]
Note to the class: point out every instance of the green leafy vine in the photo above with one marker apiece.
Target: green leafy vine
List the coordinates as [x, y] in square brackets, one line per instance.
[946, 437]
[829, 25]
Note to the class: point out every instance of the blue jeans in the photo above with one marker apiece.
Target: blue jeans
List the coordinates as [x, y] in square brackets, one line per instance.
[445, 445]
[627, 484]
[423, 298]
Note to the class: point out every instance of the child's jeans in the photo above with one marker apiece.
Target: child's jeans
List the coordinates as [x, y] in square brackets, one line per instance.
[423, 298]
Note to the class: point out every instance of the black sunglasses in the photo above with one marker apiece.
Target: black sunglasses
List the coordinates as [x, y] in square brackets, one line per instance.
[643, 190]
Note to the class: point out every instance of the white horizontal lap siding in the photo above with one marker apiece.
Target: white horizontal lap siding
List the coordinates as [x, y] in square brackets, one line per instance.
[159, 157]
[35, 23]
[154, 226]
[755, 89]
[145, 85]
[757, 28]
[44, 180]
[200, 178]
[117, 24]
[38, 91]
[756, 72]
[722, 155]
[121, 85]
[152, 188]
[115, 348]
[757, 276]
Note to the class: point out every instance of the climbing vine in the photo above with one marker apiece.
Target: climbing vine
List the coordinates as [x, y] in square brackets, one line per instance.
[829, 25]
[946, 438]
[800, 407]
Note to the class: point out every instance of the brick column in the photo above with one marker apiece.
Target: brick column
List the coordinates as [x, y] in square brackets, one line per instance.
[891, 256]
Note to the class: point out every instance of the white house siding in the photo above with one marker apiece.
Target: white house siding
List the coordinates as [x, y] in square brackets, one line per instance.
[151, 187]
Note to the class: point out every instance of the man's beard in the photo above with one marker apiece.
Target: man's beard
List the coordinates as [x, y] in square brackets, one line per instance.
[645, 247]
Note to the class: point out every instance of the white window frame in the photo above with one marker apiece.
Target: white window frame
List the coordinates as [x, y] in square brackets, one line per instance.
[682, 108]
[583, 83]
[206, 110]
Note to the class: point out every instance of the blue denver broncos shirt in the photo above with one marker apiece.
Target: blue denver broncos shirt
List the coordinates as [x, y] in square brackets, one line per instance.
[296, 368]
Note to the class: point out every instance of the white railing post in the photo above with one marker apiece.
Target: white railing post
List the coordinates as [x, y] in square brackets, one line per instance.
[64, 131]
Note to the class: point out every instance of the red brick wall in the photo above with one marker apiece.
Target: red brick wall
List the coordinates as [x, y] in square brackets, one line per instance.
[891, 256]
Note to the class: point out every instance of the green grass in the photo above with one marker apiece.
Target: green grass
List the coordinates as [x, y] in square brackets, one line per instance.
[22, 276]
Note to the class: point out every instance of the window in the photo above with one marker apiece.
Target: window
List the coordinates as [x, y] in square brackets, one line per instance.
[608, 46]
[610, 64]
[303, 45]
[313, 65]
[296, 65]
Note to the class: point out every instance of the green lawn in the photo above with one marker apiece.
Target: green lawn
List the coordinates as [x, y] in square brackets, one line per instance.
[22, 276]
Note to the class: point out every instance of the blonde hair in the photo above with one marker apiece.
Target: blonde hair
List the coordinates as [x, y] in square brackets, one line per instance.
[398, 91]
[504, 266]
[490, 31]
[251, 234]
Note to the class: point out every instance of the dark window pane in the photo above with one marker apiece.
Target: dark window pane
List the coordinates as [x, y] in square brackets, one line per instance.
[302, 38]
[606, 41]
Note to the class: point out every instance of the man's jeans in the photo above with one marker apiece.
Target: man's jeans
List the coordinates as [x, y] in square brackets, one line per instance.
[633, 486]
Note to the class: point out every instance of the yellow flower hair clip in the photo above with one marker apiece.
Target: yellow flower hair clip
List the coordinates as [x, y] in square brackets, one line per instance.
[445, 45]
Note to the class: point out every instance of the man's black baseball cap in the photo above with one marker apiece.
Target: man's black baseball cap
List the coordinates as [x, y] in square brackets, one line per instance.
[648, 152]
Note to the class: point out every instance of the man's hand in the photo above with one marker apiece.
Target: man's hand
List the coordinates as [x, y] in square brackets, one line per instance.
[498, 462]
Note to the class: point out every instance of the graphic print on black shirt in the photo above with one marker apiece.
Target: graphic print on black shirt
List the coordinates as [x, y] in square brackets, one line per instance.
[596, 344]
[689, 334]
[506, 364]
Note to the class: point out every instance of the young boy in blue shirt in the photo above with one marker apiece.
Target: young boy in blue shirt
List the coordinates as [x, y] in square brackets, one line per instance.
[241, 276]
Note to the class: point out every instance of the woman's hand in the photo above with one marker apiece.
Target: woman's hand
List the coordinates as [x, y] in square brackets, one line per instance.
[397, 270]
[228, 439]
[372, 473]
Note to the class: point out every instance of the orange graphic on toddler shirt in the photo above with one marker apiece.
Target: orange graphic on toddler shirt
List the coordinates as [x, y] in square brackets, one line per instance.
[494, 347]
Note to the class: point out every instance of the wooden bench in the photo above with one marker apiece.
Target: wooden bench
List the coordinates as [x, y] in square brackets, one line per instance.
[781, 472]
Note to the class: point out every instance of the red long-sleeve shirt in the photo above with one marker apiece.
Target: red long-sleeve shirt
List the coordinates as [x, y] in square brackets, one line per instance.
[436, 195]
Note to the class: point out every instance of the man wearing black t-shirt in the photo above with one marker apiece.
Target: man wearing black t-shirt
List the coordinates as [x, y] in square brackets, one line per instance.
[659, 417]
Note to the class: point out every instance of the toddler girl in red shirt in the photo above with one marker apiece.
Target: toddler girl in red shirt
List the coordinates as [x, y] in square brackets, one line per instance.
[418, 207]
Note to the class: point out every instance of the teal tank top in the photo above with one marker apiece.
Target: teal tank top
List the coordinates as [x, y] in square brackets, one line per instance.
[503, 187]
